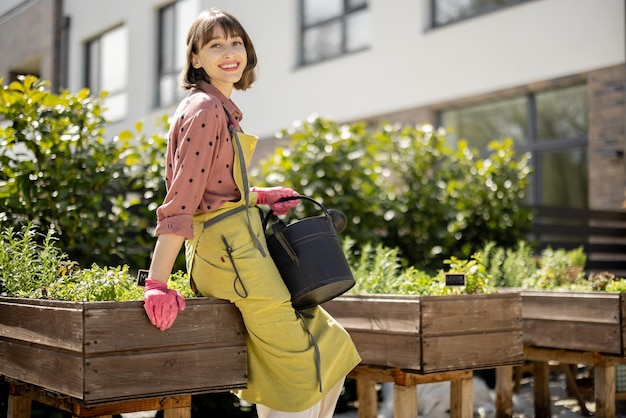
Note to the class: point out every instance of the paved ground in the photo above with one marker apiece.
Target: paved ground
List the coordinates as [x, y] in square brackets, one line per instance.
[563, 406]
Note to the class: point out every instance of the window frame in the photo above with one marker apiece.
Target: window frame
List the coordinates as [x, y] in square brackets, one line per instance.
[535, 147]
[91, 61]
[342, 18]
[175, 47]
[480, 12]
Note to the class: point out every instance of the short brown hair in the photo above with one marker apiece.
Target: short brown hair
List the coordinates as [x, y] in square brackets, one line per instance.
[201, 32]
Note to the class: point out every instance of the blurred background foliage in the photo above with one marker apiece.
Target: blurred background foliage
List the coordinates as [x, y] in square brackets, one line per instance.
[405, 187]
[402, 186]
[58, 171]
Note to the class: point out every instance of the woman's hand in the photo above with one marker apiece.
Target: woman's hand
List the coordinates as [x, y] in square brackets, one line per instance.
[271, 195]
[162, 304]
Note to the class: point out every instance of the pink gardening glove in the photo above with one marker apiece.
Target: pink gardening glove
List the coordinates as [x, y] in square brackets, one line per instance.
[269, 196]
[162, 304]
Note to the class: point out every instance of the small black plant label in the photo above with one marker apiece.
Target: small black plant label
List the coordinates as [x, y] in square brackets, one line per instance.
[142, 275]
[455, 279]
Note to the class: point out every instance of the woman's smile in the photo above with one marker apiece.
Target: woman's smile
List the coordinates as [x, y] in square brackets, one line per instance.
[230, 66]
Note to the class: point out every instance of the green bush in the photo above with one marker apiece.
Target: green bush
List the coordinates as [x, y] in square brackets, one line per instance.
[57, 170]
[404, 187]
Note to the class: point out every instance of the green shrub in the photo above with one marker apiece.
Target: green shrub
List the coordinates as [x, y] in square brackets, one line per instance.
[58, 170]
[404, 187]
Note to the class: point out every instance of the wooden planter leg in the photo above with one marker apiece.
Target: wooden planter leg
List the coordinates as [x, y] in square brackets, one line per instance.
[604, 383]
[177, 413]
[404, 401]
[572, 386]
[99, 416]
[541, 380]
[19, 407]
[368, 398]
[504, 391]
[461, 398]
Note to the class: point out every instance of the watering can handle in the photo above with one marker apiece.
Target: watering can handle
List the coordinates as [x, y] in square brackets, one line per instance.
[287, 198]
[278, 227]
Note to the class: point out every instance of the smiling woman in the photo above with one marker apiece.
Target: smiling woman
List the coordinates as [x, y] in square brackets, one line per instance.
[297, 358]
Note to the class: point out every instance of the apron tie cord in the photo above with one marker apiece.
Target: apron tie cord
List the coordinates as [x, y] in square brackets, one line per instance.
[318, 361]
[229, 251]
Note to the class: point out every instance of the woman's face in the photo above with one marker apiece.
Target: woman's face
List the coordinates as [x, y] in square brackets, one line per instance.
[224, 60]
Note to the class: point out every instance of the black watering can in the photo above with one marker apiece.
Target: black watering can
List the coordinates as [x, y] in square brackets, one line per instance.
[309, 256]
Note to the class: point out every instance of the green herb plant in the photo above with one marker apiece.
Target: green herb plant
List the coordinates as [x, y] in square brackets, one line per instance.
[29, 261]
[30, 269]
[380, 270]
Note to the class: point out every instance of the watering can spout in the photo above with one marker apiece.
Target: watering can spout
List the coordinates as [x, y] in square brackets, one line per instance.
[339, 219]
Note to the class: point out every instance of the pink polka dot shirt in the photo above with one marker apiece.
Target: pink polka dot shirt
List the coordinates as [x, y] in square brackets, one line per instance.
[199, 160]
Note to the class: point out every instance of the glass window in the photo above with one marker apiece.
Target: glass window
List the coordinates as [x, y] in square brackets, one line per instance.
[357, 31]
[565, 178]
[488, 121]
[561, 114]
[448, 11]
[316, 11]
[174, 21]
[552, 125]
[331, 28]
[107, 70]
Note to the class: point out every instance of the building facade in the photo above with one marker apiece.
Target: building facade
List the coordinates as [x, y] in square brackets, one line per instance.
[548, 73]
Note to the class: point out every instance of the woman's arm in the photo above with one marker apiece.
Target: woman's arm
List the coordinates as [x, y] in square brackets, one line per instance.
[160, 303]
[166, 250]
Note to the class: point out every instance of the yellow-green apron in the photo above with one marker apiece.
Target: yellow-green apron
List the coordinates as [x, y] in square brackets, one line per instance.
[294, 358]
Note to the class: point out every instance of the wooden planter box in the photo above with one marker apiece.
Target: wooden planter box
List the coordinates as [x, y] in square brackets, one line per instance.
[431, 334]
[581, 321]
[108, 351]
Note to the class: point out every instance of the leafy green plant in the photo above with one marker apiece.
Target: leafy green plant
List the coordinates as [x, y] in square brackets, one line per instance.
[477, 279]
[509, 267]
[96, 284]
[554, 271]
[616, 284]
[379, 270]
[58, 169]
[577, 257]
[29, 261]
[30, 269]
[404, 187]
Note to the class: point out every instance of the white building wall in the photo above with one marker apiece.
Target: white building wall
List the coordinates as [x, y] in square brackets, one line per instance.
[408, 64]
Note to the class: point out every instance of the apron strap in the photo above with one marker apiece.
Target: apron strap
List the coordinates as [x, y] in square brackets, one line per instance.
[221, 216]
[244, 178]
